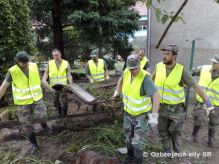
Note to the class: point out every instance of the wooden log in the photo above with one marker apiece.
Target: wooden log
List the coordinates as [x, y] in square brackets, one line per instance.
[74, 118]
[81, 93]
[73, 123]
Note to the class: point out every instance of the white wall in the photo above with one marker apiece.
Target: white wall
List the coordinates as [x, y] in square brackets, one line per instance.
[201, 21]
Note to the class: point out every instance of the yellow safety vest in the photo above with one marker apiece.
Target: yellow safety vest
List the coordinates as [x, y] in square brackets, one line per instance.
[211, 87]
[58, 76]
[97, 71]
[168, 87]
[26, 90]
[134, 103]
[143, 62]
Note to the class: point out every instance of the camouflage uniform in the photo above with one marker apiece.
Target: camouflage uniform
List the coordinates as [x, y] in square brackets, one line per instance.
[60, 97]
[25, 113]
[171, 117]
[199, 115]
[170, 122]
[60, 101]
[135, 129]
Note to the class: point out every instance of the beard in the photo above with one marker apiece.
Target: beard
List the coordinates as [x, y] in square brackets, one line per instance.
[165, 61]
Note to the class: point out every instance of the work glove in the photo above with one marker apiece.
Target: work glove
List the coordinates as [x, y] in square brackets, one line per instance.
[208, 107]
[116, 94]
[153, 119]
[107, 77]
[91, 81]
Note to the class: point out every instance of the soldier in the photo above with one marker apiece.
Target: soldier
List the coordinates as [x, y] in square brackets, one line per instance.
[137, 88]
[96, 69]
[144, 63]
[209, 81]
[59, 73]
[170, 77]
[27, 95]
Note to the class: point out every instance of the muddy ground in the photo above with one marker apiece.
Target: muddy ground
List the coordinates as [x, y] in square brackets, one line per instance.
[103, 138]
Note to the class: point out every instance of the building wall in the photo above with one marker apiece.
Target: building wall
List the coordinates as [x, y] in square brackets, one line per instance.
[201, 22]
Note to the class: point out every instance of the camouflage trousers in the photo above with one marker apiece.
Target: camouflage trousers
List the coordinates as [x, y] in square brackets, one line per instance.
[60, 101]
[200, 118]
[26, 113]
[170, 122]
[135, 129]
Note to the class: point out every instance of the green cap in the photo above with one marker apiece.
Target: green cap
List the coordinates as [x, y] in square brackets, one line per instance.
[215, 59]
[173, 48]
[94, 53]
[22, 56]
[133, 61]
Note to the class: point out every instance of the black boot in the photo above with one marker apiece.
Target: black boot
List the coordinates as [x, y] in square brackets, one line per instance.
[138, 160]
[211, 137]
[175, 142]
[64, 110]
[138, 154]
[48, 131]
[130, 153]
[167, 150]
[193, 137]
[34, 147]
[59, 109]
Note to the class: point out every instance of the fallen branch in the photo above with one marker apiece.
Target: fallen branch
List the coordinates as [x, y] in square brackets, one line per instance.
[171, 22]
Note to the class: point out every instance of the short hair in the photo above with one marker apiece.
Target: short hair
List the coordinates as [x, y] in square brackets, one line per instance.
[56, 50]
[142, 49]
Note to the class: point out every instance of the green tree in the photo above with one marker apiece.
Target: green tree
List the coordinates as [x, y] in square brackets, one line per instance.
[100, 22]
[15, 31]
[15, 34]
[83, 24]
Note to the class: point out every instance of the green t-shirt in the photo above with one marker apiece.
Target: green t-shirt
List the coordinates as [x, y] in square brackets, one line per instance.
[147, 88]
[87, 70]
[186, 78]
[8, 77]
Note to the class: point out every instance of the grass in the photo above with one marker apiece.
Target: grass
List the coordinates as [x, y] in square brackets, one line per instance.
[103, 139]
[13, 158]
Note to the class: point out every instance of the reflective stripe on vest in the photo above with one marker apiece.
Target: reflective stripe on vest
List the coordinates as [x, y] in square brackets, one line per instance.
[211, 87]
[97, 71]
[168, 87]
[58, 76]
[143, 62]
[26, 90]
[134, 103]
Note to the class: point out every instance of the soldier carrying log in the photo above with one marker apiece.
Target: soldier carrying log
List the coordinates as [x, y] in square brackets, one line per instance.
[27, 95]
[59, 73]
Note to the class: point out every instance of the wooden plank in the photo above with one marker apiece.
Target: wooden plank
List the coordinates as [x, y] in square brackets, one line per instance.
[4, 116]
[81, 93]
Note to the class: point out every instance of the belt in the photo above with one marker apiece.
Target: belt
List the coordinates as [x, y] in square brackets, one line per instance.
[174, 108]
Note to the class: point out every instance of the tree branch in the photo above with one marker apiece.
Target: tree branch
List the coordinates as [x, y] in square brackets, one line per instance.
[171, 22]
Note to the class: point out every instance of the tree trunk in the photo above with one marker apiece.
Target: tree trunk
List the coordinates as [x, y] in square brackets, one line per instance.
[57, 26]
